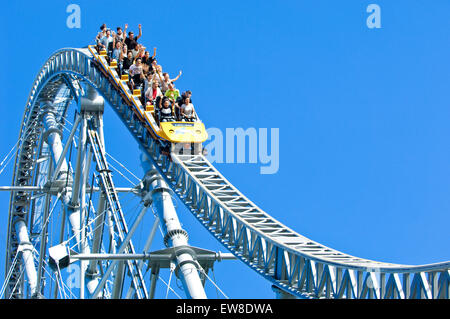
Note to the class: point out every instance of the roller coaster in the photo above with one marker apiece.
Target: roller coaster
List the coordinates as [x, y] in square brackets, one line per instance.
[94, 231]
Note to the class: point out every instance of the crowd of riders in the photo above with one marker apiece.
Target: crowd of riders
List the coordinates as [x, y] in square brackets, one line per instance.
[144, 73]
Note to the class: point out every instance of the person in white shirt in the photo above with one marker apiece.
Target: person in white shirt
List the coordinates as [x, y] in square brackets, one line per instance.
[121, 35]
[153, 92]
[187, 111]
[138, 51]
[101, 34]
[117, 53]
[136, 72]
[164, 78]
[107, 42]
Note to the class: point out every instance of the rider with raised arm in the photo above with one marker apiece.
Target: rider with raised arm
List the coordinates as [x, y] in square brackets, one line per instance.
[121, 34]
[131, 40]
[136, 72]
[164, 78]
[147, 59]
[165, 110]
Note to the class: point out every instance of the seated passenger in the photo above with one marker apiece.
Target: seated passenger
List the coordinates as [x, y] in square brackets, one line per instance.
[147, 59]
[136, 73]
[153, 92]
[138, 51]
[187, 111]
[184, 95]
[118, 54]
[172, 93]
[107, 42]
[103, 28]
[148, 79]
[165, 111]
[120, 35]
[179, 102]
[100, 35]
[131, 40]
[145, 68]
[127, 61]
[166, 79]
[188, 94]
[153, 66]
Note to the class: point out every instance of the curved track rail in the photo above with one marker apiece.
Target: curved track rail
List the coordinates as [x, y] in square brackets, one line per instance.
[292, 262]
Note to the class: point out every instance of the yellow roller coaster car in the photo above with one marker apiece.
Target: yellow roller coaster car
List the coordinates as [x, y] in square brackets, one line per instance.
[173, 132]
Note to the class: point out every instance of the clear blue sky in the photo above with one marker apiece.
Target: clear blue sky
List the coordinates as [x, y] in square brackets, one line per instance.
[363, 113]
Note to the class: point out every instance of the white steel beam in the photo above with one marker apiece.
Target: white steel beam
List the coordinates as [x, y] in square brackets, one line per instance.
[26, 248]
[147, 246]
[61, 162]
[122, 248]
[43, 189]
[43, 241]
[175, 236]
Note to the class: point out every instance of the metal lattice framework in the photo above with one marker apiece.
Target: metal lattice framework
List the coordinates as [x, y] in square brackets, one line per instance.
[293, 263]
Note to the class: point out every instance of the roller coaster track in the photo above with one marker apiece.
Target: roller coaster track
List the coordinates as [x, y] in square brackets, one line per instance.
[290, 261]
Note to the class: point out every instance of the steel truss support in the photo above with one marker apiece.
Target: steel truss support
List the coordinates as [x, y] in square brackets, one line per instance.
[91, 144]
[148, 243]
[162, 257]
[73, 205]
[281, 294]
[287, 259]
[73, 199]
[45, 189]
[92, 272]
[26, 248]
[43, 237]
[112, 266]
[175, 235]
[52, 136]
[114, 215]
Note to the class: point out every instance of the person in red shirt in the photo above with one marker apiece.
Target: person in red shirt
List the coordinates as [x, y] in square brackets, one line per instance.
[153, 92]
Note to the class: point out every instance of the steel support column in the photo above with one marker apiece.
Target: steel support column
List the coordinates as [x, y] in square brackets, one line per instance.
[91, 271]
[147, 245]
[26, 248]
[122, 248]
[175, 235]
